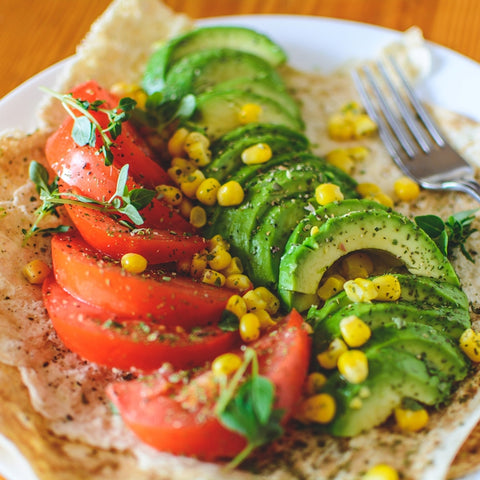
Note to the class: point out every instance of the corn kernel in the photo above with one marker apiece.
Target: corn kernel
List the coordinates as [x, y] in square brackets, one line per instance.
[235, 266]
[470, 344]
[330, 287]
[36, 271]
[356, 403]
[219, 258]
[363, 126]
[190, 183]
[328, 359]
[406, 189]
[185, 165]
[381, 472]
[388, 288]
[315, 381]
[212, 277]
[328, 192]
[354, 330]
[353, 366]
[230, 194]
[266, 320]
[196, 146]
[314, 230]
[341, 159]
[319, 408]
[199, 264]
[172, 195]
[218, 240]
[411, 420]
[249, 327]
[254, 301]
[238, 281]
[339, 128]
[176, 174]
[249, 113]
[382, 198]
[133, 263]
[207, 191]
[358, 153]
[357, 265]
[185, 207]
[176, 142]
[236, 304]
[367, 189]
[256, 154]
[198, 217]
[360, 290]
[226, 364]
[271, 301]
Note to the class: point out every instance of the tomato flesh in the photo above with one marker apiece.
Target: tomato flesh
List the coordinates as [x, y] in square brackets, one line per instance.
[109, 236]
[172, 300]
[180, 420]
[108, 339]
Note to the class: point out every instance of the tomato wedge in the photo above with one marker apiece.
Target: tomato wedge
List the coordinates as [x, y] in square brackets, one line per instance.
[180, 419]
[108, 339]
[90, 276]
[109, 236]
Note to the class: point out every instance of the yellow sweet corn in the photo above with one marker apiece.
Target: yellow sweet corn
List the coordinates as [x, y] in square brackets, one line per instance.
[236, 304]
[226, 364]
[329, 358]
[272, 303]
[367, 189]
[133, 263]
[172, 195]
[357, 265]
[406, 189]
[341, 159]
[238, 281]
[36, 271]
[190, 183]
[388, 288]
[470, 344]
[199, 264]
[176, 142]
[265, 318]
[319, 408]
[411, 420]
[235, 266]
[355, 332]
[256, 154]
[212, 277]
[198, 217]
[219, 258]
[196, 146]
[353, 366]
[249, 113]
[330, 287]
[206, 192]
[360, 290]
[314, 383]
[230, 194]
[254, 301]
[249, 327]
[381, 471]
[218, 240]
[328, 192]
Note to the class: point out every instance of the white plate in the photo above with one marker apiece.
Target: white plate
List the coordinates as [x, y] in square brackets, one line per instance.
[312, 43]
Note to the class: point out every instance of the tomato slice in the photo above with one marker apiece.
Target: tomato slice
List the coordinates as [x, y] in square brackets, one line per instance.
[172, 300]
[109, 236]
[179, 419]
[108, 339]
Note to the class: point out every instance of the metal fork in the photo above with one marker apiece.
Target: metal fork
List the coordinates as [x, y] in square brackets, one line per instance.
[409, 133]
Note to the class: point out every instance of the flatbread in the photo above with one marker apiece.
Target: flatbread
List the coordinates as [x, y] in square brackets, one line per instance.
[53, 403]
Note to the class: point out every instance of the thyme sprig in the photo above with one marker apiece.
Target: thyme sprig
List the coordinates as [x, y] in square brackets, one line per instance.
[86, 126]
[123, 202]
[247, 407]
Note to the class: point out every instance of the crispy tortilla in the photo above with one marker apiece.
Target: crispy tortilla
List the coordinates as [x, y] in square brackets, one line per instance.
[53, 403]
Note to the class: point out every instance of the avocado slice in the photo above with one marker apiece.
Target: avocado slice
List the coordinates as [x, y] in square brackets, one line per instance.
[447, 320]
[229, 161]
[218, 112]
[424, 291]
[302, 266]
[255, 130]
[393, 376]
[237, 37]
[201, 71]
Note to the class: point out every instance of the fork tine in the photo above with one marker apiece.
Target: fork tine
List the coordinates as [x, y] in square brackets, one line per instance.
[413, 125]
[422, 113]
[395, 124]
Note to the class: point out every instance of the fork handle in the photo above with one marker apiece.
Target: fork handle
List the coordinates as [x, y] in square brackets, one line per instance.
[467, 186]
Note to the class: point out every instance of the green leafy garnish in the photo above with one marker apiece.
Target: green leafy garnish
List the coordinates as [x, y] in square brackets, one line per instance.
[452, 233]
[161, 112]
[246, 407]
[123, 201]
[229, 322]
[86, 127]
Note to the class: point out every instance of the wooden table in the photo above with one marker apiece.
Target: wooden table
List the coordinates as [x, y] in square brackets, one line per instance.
[34, 34]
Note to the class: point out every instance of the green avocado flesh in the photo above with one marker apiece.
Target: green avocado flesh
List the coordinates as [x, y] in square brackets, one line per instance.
[289, 243]
[239, 38]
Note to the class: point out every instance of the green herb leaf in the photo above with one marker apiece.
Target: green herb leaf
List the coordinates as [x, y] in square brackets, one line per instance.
[434, 227]
[141, 197]
[229, 321]
[83, 132]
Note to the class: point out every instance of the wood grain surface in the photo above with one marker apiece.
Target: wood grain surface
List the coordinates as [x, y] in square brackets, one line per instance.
[34, 34]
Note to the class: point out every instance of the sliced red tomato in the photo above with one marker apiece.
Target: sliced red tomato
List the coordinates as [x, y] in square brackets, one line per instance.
[108, 339]
[109, 236]
[180, 419]
[88, 275]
